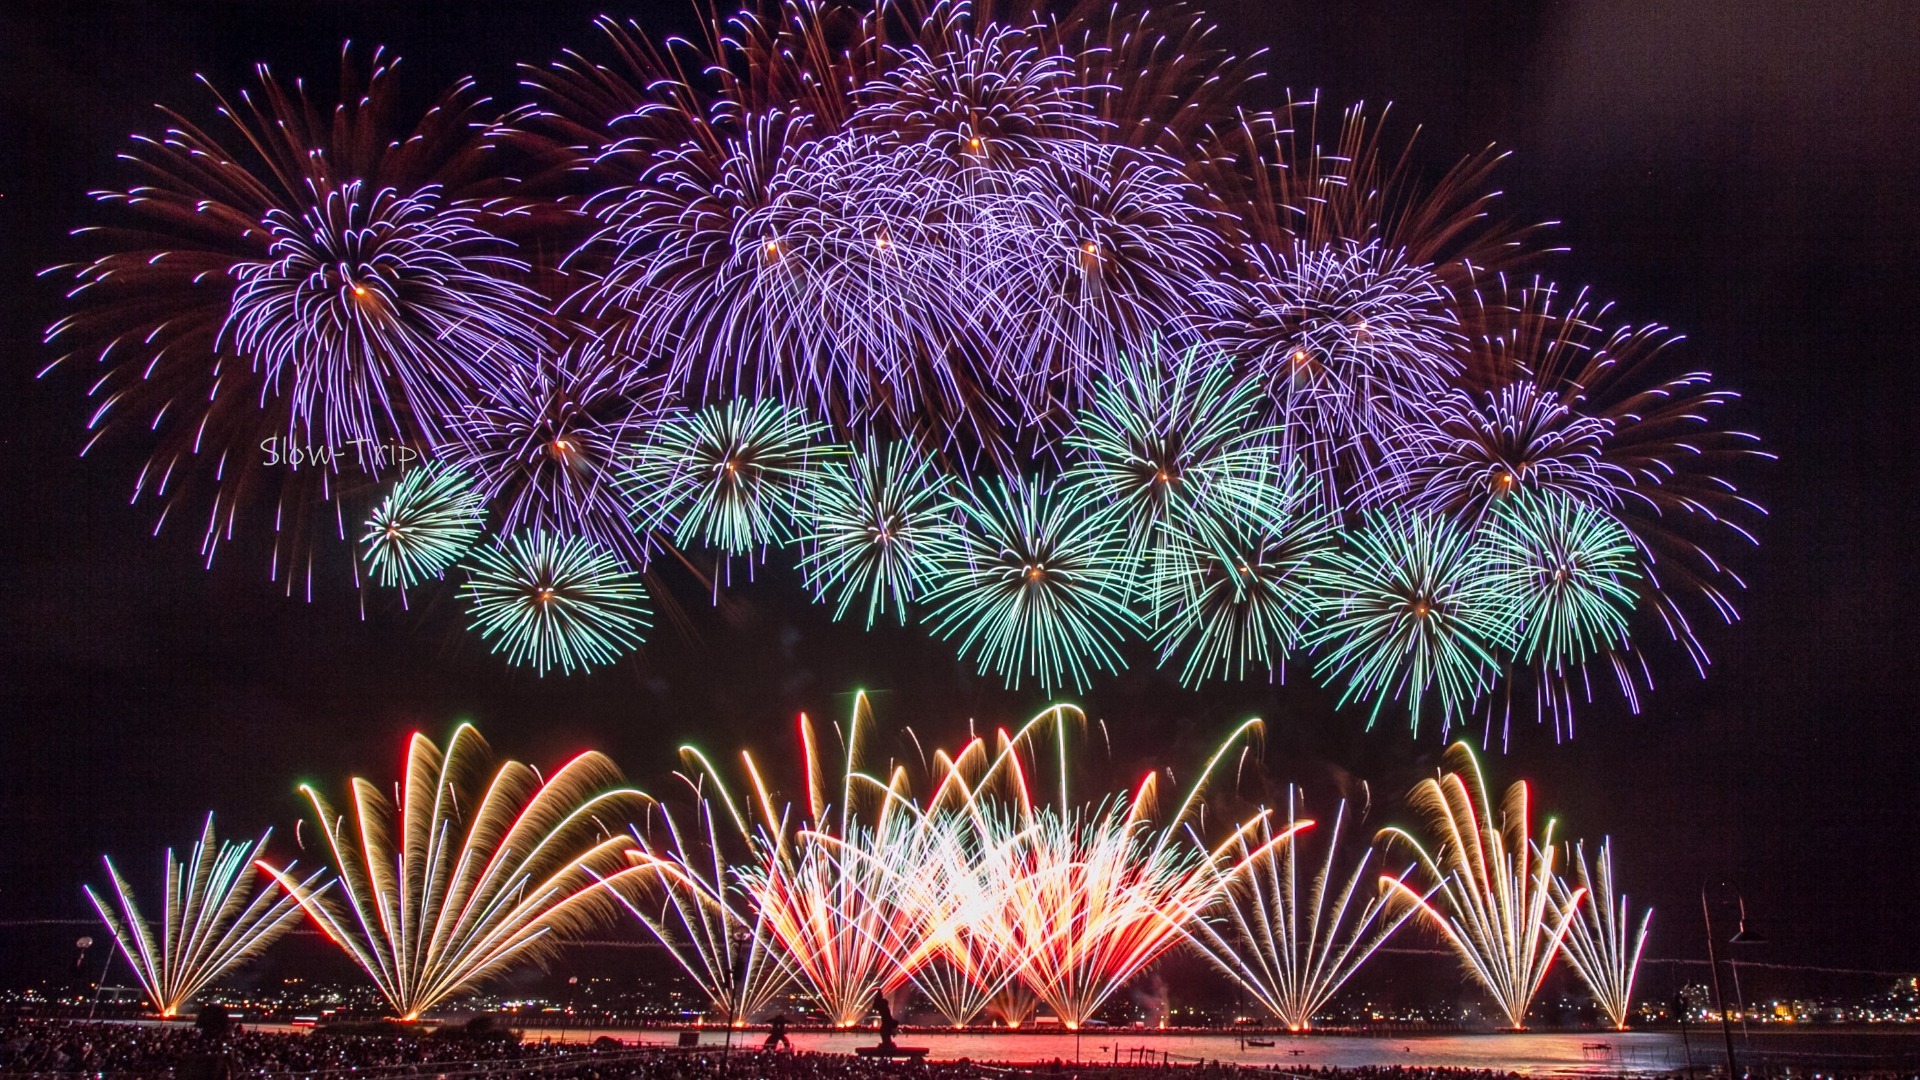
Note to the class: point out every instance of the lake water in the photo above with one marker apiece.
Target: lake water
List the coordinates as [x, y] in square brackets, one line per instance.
[1556, 1053]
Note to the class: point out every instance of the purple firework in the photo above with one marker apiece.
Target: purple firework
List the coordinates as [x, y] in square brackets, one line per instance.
[1351, 341]
[985, 96]
[1292, 183]
[543, 445]
[1650, 428]
[925, 217]
[1469, 451]
[295, 302]
[1110, 246]
[377, 312]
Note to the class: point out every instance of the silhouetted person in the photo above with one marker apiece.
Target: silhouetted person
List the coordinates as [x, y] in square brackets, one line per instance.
[213, 1022]
[777, 1034]
[888, 1025]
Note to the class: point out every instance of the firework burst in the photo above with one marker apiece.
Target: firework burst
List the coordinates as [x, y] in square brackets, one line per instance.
[430, 518]
[1247, 598]
[1565, 574]
[1033, 587]
[371, 295]
[1110, 245]
[1465, 454]
[321, 281]
[729, 476]
[1171, 448]
[951, 237]
[1412, 615]
[980, 92]
[1493, 885]
[553, 601]
[211, 918]
[872, 523]
[1662, 453]
[1350, 341]
[469, 875]
[545, 441]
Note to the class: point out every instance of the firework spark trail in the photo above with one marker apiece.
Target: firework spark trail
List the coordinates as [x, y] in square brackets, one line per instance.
[972, 894]
[689, 895]
[428, 519]
[1601, 943]
[872, 524]
[961, 962]
[550, 601]
[468, 875]
[322, 277]
[212, 920]
[1032, 586]
[1493, 895]
[824, 883]
[1291, 951]
[1097, 892]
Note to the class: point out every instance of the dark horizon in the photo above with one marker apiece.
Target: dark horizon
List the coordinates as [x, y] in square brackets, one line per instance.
[1744, 177]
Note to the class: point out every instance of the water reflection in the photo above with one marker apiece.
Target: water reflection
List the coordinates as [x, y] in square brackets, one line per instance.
[1557, 1053]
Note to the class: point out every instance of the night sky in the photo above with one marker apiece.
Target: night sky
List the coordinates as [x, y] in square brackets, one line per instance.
[1747, 176]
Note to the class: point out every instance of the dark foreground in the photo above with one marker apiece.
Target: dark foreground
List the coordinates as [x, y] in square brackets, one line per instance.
[108, 1051]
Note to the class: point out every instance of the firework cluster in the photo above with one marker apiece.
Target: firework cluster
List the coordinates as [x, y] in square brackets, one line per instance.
[975, 886]
[1013, 324]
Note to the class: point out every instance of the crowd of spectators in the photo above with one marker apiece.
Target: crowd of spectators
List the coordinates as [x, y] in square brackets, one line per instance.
[123, 1051]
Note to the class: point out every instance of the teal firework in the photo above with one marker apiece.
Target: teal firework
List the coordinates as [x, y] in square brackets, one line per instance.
[549, 601]
[1412, 614]
[1246, 597]
[429, 519]
[1566, 574]
[873, 520]
[1032, 588]
[727, 476]
[1172, 449]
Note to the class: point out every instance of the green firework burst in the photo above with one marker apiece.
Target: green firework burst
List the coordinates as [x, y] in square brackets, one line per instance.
[1564, 571]
[727, 476]
[1245, 597]
[1411, 614]
[1171, 448]
[873, 521]
[549, 601]
[429, 519]
[1032, 588]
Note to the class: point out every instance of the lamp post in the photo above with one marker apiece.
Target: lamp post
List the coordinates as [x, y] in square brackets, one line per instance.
[737, 978]
[1680, 1010]
[1741, 937]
